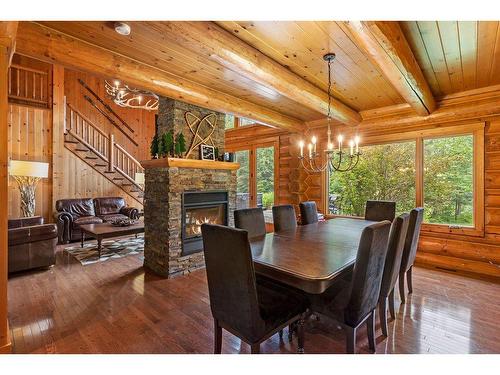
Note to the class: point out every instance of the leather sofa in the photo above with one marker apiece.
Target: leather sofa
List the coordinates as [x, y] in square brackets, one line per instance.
[32, 244]
[71, 213]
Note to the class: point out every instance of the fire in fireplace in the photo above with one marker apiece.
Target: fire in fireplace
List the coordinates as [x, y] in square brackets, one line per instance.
[198, 208]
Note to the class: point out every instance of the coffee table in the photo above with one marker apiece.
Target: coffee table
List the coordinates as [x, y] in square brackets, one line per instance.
[106, 230]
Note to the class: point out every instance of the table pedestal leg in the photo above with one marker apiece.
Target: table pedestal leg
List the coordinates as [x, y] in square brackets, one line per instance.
[83, 238]
[99, 246]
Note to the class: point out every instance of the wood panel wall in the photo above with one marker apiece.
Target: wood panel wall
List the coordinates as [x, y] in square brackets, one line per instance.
[141, 121]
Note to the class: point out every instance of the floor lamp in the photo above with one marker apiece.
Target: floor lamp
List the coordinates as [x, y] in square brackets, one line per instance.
[27, 174]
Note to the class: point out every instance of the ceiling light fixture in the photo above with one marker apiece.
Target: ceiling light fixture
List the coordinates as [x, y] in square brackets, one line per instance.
[122, 28]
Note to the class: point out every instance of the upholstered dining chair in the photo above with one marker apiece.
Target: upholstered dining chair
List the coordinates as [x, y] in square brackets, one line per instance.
[353, 302]
[250, 310]
[410, 251]
[397, 237]
[284, 218]
[308, 212]
[380, 210]
[251, 220]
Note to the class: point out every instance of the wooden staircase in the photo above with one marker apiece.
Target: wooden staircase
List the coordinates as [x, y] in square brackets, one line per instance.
[102, 153]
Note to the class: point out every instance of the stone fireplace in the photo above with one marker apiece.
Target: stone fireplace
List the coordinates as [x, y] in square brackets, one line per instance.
[182, 194]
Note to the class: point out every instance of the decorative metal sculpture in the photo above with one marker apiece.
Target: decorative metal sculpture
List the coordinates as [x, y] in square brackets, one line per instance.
[128, 97]
[197, 126]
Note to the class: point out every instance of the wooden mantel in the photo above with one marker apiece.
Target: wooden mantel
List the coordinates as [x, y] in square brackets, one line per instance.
[189, 163]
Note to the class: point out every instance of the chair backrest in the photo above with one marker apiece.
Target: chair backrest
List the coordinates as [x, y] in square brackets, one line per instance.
[231, 277]
[368, 271]
[380, 210]
[284, 218]
[308, 212]
[411, 242]
[397, 237]
[251, 220]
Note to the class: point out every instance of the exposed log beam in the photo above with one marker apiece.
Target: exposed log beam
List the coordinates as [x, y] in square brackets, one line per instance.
[211, 40]
[49, 45]
[388, 49]
[8, 31]
[465, 106]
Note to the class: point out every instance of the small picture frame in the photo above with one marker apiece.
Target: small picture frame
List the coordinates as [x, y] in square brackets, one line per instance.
[207, 152]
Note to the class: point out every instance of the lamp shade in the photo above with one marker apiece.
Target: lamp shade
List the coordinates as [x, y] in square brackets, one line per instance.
[28, 168]
[139, 178]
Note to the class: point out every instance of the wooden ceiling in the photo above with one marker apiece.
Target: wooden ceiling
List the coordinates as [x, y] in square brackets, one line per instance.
[453, 57]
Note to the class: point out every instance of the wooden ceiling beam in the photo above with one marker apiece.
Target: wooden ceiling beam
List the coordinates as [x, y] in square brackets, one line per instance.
[46, 44]
[388, 49]
[210, 40]
[8, 31]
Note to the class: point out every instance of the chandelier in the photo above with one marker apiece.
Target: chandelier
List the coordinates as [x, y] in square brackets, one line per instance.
[336, 158]
[128, 97]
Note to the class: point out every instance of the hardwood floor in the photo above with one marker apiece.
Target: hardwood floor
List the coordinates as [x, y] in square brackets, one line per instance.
[117, 307]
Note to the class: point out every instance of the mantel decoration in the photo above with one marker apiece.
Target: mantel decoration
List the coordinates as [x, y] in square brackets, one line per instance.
[340, 160]
[27, 174]
[202, 130]
[128, 97]
[167, 145]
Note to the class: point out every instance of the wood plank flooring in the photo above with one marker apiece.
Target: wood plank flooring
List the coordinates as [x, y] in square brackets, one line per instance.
[118, 307]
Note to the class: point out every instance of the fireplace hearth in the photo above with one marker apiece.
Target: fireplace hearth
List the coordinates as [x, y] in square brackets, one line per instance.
[199, 207]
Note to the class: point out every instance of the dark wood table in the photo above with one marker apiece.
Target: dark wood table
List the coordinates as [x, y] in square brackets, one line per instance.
[106, 230]
[311, 256]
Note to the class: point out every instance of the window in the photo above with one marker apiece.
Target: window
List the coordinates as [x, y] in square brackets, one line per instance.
[265, 177]
[229, 124]
[448, 180]
[440, 169]
[243, 179]
[384, 172]
[245, 121]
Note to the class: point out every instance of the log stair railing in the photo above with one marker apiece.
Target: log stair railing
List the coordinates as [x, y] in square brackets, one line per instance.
[101, 152]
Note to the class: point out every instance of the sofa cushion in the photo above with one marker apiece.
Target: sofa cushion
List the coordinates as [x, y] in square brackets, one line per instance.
[87, 220]
[76, 207]
[112, 217]
[108, 205]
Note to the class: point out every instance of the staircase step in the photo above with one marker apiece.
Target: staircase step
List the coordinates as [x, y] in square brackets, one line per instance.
[91, 157]
[82, 149]
[126, 184]
[100, 165]
[71, 141]
[117, 178]
[109, 171]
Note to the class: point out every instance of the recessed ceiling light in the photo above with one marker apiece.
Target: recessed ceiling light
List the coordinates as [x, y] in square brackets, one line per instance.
[122, 28]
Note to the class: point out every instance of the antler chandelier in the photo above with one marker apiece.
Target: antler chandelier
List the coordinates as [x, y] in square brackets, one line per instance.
[335, 160]
[125, 96]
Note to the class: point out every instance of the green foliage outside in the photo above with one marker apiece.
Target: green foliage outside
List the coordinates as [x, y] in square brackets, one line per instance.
[268, 200]
[448, 180]
[265, 175]
[229, 123]
[387, 172]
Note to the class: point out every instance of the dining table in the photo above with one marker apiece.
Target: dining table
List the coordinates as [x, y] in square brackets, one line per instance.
[310, 257]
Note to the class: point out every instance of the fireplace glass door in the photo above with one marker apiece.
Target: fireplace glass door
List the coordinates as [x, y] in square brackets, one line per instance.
[196, 216]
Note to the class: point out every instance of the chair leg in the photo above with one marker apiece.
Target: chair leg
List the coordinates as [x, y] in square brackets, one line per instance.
[382, 308]
[291, 328]
[392, 310]
[255, 348]
[370, 327]
[280, 333]
[409, 280]
[402, 286]
[217, 337]
[300, 335]
[350, 340]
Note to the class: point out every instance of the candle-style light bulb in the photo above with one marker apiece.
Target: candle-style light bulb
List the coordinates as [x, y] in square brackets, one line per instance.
[313, 141]
[351, 146]
[310, 147]
[301, 145]
[340, 138]
[117, 83]
[356, 141]
[330, 146]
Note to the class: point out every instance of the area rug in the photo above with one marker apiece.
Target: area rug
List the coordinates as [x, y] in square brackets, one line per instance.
[111, 249]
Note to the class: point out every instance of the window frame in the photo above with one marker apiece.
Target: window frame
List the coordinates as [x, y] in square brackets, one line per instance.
[477, 131]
